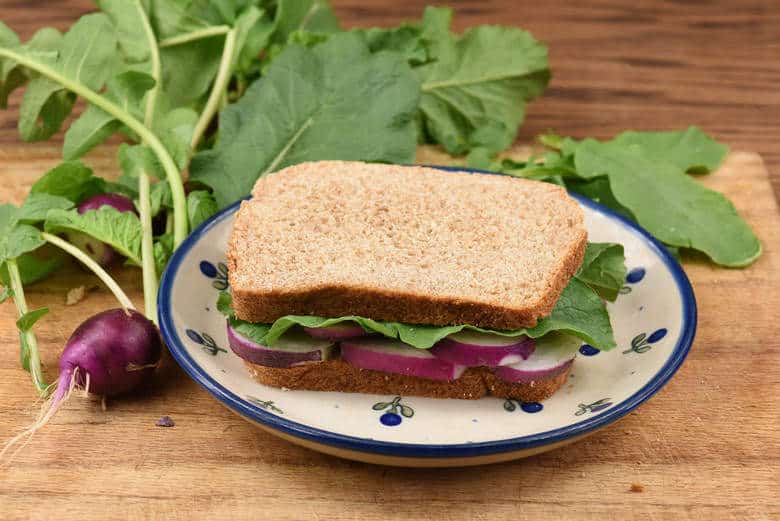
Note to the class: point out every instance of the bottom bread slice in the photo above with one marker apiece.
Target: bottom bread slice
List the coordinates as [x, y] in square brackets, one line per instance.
[337, 375]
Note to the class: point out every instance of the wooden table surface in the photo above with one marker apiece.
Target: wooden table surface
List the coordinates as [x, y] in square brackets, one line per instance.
[706, 447]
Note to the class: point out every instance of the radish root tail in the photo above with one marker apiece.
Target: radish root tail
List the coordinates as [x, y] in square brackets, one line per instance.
[64, 389]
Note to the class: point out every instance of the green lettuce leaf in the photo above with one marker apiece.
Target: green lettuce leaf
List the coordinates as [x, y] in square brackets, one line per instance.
[603, 269]
[120, 230]
[579, 312]
[334, 101]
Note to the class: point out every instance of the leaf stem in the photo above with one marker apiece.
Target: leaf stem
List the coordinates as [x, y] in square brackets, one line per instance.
[148, 267]
[171, 170]
[220, 85]
[29, 337]
[93, 266]
[194, 35]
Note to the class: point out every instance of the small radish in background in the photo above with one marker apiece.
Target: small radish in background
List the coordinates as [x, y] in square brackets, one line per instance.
[98, 251]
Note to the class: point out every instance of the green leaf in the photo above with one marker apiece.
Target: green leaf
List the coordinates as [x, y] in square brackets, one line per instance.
[175, 128]
[160, 197]
[28, 320]
[689, 150]
[32, 268]
[225, 304]
[163, 249]
[307, 15]
[44, 43]
[334, 101]
[200, 206]
[669, 204]
[45, 105]
[134, 160]
[475, 90]
[188, 70]
[603, 269]
[120, 230]
[129, 28]
[94, 126]
[5, 294]
[72, 180]
[598, 189]
[37, 205]
[406, 40]
[579, 312]
[85, 56]
[16, 239]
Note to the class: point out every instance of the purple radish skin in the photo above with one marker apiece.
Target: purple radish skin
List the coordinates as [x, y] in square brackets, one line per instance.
[98, 251]
[473, 349]
[109, 354]
[554, 355]
[392, 356]
[291, 350]
[336, 332]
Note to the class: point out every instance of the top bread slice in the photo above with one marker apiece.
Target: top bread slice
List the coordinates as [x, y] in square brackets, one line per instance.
[407, 244]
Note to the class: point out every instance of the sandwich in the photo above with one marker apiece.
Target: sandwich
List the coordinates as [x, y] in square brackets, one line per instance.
[407, 280]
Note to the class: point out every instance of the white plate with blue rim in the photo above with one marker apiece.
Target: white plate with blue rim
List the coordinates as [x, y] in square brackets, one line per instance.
[654, 319]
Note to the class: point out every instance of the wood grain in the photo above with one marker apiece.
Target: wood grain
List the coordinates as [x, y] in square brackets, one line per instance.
[706, 447]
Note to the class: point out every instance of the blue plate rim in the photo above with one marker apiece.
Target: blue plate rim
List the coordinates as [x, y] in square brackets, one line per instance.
[415, 450]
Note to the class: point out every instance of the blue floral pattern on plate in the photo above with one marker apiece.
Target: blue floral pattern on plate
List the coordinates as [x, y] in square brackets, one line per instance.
[206, 341]
[219, 273]
[391, 418]
[634, 276]
[598, 405]
[511, 405]
[642, 343]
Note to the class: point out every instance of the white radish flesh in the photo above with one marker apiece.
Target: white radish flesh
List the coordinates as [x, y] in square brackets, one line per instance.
[553, 355]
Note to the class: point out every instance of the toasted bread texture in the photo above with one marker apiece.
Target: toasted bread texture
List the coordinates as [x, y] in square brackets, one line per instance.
[337, 375]
[407, 244]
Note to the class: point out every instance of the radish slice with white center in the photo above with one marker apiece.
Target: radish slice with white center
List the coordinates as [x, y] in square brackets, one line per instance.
[336, 332]
[392, 356]
[290, 350]
[473, 349]
[553, 355]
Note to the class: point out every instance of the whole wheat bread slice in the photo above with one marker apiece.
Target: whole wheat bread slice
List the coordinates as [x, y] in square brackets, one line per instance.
[408, 244]
[337, 375]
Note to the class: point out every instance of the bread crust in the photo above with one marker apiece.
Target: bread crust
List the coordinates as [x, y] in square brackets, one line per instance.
[265, 305]
[338, 375]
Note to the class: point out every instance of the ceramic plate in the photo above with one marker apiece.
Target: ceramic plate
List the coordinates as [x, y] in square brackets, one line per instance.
[654, 318]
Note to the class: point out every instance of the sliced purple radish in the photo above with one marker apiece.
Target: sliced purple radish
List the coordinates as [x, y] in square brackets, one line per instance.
[289, 351]
[392, 356]
[473, 349]
[553, 355]
[336, 332]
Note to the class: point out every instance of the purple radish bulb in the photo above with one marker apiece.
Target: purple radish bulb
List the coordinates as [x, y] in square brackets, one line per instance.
[98, 251]
[118, 349]
[111, 353]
